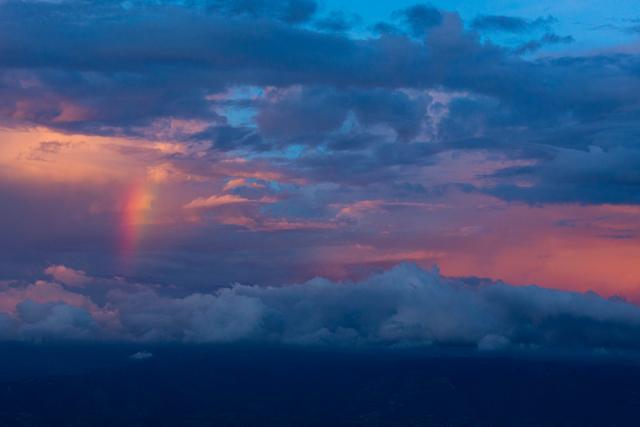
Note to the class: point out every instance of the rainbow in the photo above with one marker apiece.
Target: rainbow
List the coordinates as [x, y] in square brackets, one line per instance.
[134, 215]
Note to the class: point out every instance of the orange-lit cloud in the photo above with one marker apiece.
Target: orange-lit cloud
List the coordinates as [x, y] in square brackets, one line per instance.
[68, 276]
[562, 246]
[41, 154]
[158, 186]
[216, 200]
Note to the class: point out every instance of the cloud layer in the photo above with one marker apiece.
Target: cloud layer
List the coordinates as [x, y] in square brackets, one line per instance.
[102, 68]
[404, 306]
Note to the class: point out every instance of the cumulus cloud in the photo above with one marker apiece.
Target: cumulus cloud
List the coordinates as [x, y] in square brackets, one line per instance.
[511, 24]
[404, 306]
[67, 276]
[53, 320]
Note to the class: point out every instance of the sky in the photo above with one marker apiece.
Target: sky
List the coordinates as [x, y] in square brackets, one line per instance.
[170, 165]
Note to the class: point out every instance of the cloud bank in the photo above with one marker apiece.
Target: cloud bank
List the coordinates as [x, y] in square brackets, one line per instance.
[404, 306]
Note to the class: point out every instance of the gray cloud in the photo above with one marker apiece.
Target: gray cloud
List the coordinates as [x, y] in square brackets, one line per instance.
[419, 18]
[546, 40]
[362, 108]
[53, 320]
[405, 306]
[511, 24]
[593, 176]
[318, 111]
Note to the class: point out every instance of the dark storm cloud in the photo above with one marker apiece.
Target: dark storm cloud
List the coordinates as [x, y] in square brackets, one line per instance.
[126, 71]
[419, 18]
[207, 46]
[318, 111]
[181, 55]
[576, 176]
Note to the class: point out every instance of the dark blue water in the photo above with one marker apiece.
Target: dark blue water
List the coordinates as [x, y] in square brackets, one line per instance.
[99, 385]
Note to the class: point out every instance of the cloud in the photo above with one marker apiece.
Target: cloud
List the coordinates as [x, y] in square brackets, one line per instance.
[404, 306]
[511, 24]
[317, 117]
[545, 40]
[67, 276]
[419, 18]
[316, 112]
[215, 200]
[129, 83]
[594, 176]
[51, 321]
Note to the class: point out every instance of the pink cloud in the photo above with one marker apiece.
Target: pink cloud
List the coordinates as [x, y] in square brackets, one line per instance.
[68, 276]
[215, 200]
[42, 292]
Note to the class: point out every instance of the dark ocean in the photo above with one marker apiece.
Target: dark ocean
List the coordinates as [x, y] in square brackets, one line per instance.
[242, 385]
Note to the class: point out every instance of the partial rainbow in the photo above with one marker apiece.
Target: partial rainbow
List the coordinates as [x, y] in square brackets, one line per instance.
[134, 215]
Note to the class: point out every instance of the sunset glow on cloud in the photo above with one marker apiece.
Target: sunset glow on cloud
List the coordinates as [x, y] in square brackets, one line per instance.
[188, 146]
